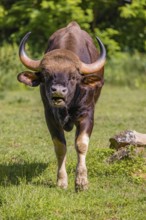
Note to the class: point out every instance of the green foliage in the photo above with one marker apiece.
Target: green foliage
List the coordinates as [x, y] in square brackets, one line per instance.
[42, 18]
[121, 26]
[134, 10]
[126, 70]
[10, 66]
[107, 35]
[134, 16]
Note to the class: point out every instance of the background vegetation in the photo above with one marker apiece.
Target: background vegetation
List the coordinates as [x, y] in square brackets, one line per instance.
[121, 27]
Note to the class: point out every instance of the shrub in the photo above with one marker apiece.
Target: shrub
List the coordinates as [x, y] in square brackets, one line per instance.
[10, 67]
[126, 70]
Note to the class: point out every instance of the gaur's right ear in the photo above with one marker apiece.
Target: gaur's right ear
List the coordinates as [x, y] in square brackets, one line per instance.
[29, 78]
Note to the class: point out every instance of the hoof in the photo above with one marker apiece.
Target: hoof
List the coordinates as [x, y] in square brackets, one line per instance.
[81, 181]
[81, 184]
[62, 183]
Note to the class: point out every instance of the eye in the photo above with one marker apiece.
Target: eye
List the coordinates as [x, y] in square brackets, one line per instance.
[47, 77]
[73, 77]
[40, 76]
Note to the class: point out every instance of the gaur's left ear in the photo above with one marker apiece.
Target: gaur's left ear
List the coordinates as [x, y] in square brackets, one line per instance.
[29, 78]
[93, 79]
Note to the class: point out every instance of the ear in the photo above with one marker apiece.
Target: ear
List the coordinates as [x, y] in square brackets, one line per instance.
[93, 79]
[29, 78]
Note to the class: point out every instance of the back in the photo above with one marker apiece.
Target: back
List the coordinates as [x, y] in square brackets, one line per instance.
[74, 39]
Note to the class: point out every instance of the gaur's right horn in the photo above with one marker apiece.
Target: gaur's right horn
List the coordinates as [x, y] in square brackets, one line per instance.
[29, 63]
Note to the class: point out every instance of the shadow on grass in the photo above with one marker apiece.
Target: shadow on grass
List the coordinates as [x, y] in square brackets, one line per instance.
[15, 173]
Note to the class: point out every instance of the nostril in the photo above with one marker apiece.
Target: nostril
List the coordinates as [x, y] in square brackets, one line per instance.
[53, 89]
[59, 89]
[64, 90]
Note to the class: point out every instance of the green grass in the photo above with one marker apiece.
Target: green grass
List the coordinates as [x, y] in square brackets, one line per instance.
[28, 165]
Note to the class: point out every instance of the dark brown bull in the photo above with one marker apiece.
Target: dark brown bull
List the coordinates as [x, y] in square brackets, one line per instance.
[70, 76]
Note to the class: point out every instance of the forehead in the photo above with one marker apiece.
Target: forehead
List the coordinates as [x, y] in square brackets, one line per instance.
[60, 61]
[57, 71]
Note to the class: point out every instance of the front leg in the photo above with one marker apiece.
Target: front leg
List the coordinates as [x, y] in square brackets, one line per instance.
[83, 133]
[59, 142]
[60, 150]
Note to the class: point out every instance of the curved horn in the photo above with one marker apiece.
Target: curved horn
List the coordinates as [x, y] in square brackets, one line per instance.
[97, 65]
[29, 63]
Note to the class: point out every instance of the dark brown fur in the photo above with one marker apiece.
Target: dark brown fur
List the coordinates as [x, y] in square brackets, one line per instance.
[61, 66]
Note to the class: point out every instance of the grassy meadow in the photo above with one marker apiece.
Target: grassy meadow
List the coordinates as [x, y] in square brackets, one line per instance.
[28, 165]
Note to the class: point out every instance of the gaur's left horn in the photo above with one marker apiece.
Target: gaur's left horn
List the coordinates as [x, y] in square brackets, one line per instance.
[97, 65]
[29, 63]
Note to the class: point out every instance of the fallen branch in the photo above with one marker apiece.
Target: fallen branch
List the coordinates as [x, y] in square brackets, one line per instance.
[128, 138]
